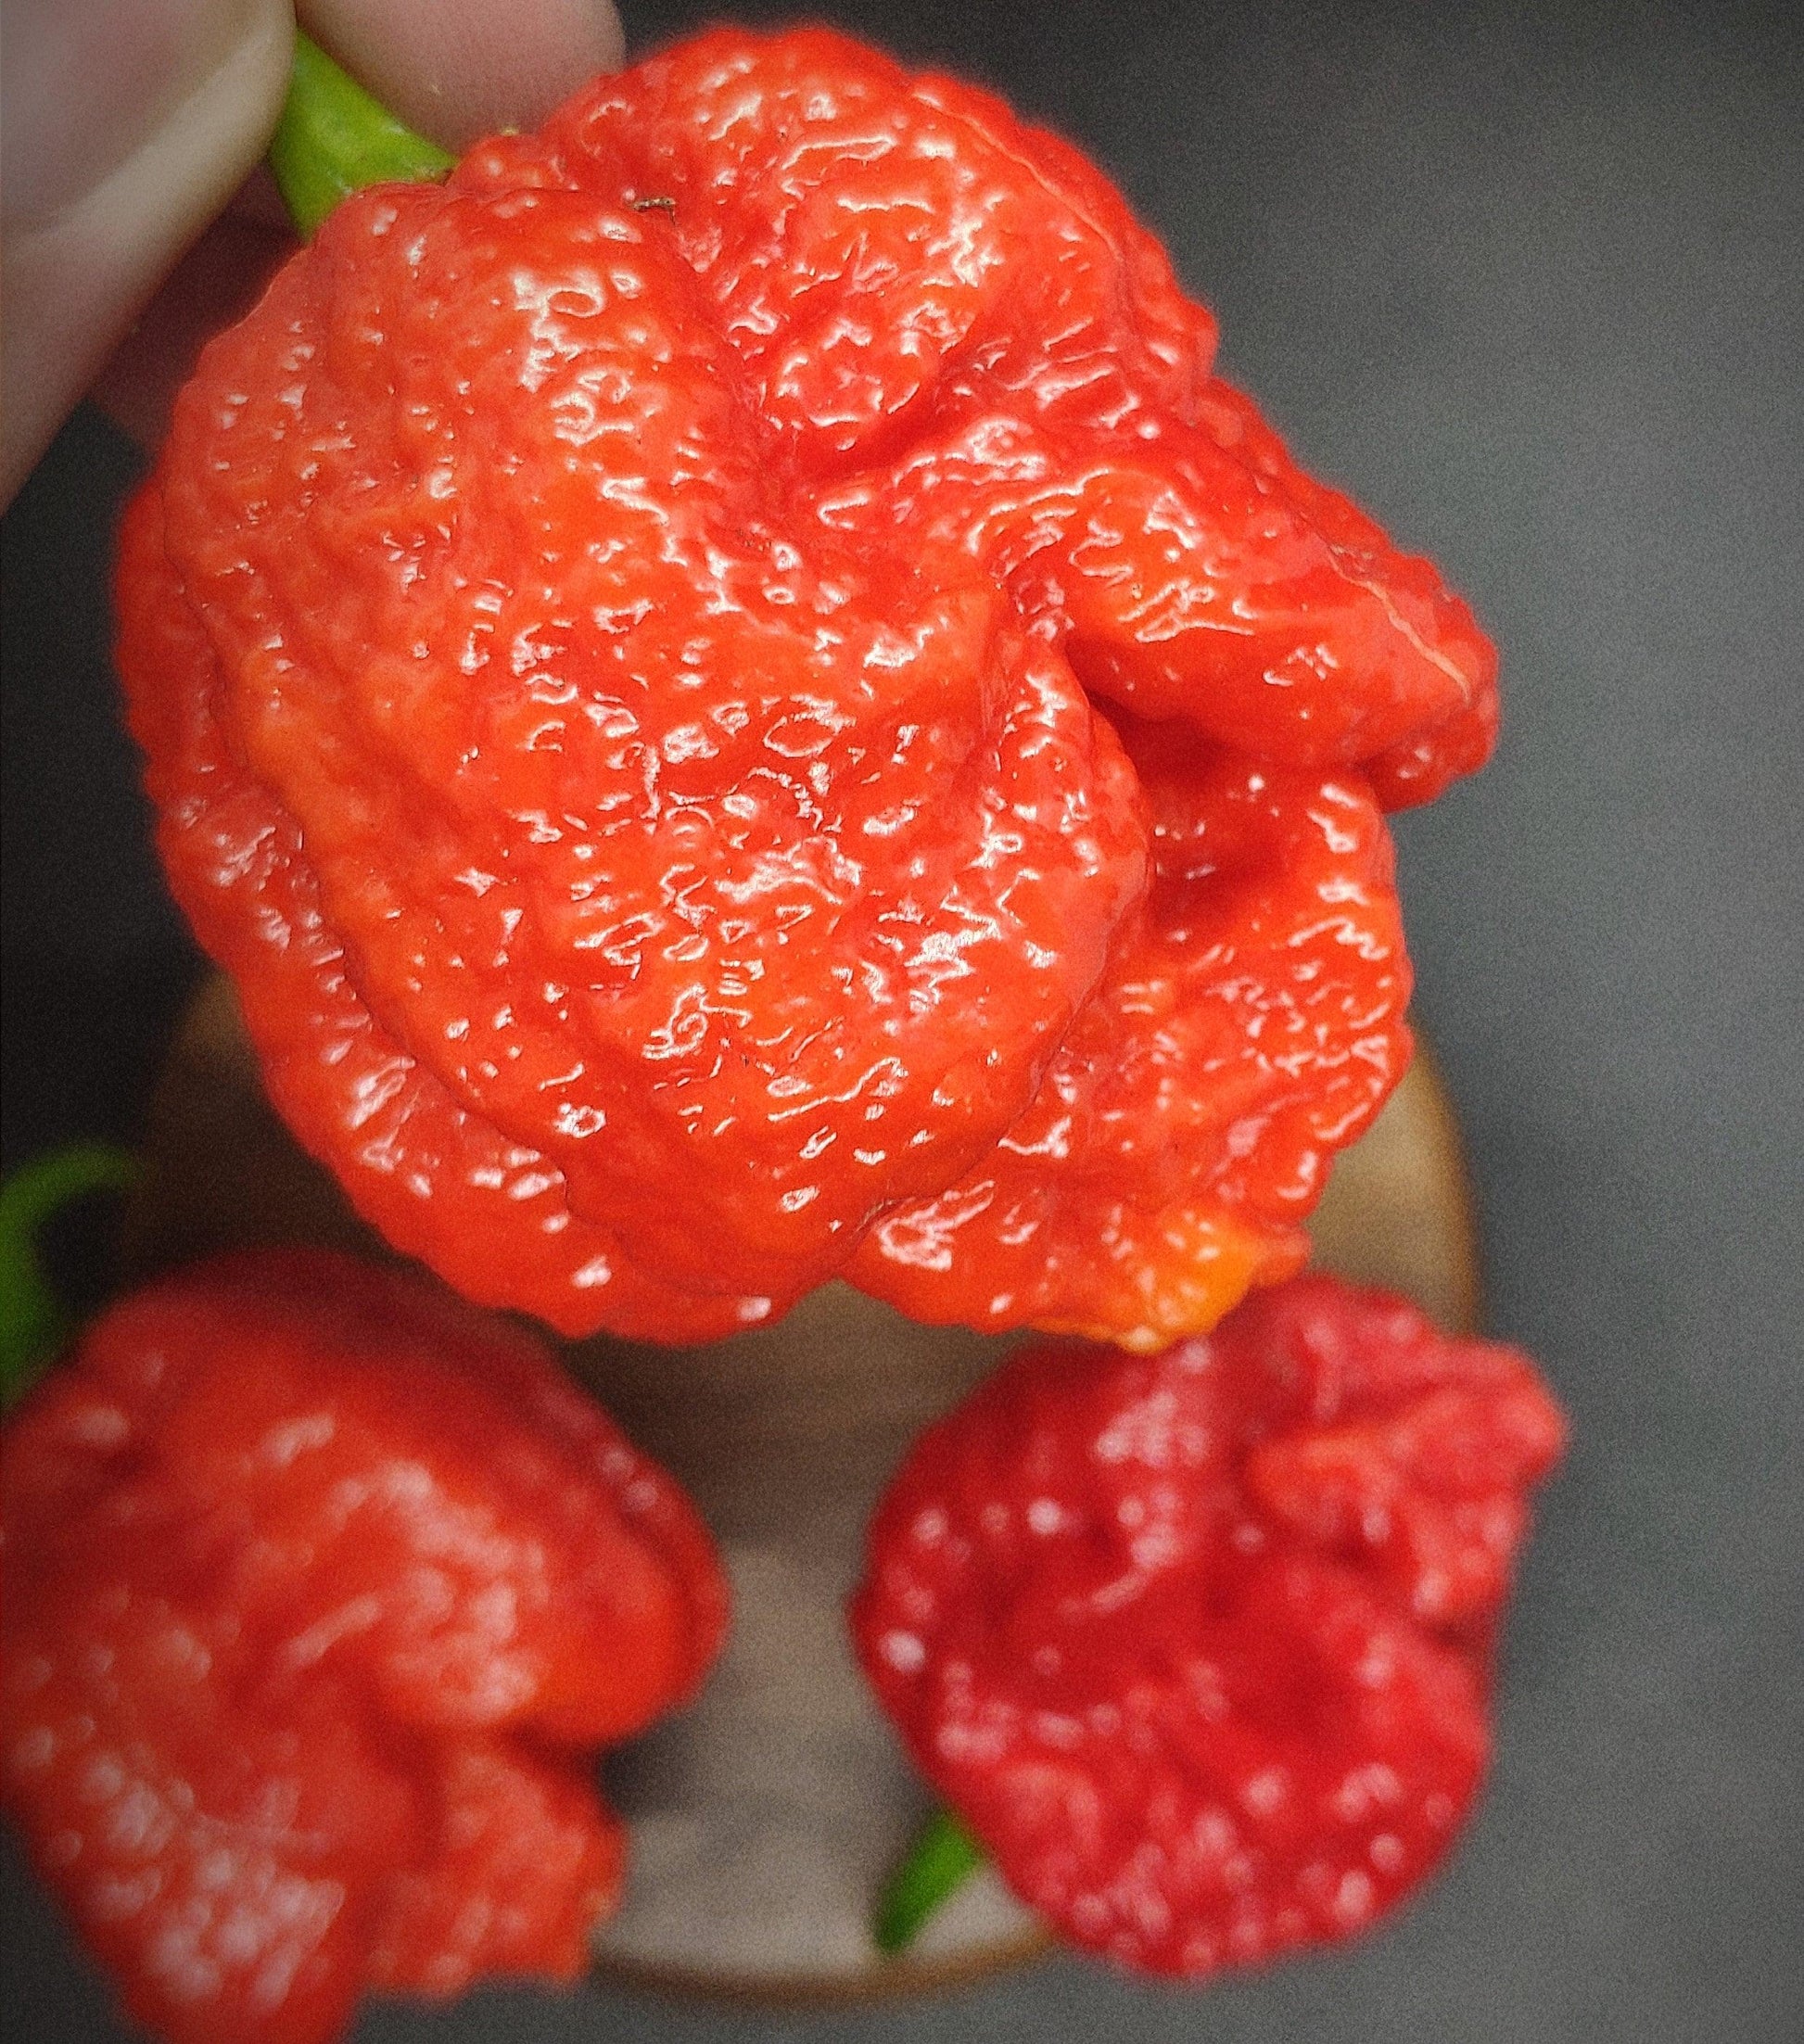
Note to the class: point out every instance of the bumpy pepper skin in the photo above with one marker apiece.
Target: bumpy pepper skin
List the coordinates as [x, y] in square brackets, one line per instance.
[320, 1594]
[1199, 1643]
[648, 658]
[1251, 1016]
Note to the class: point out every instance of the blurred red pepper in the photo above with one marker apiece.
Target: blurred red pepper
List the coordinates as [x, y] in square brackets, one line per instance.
[321, 1591]
[1199, 1645]
[741, 704]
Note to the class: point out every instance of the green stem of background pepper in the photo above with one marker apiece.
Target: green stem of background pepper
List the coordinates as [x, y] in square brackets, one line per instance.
[333, 139]
[941, 1860]
[33, 1324]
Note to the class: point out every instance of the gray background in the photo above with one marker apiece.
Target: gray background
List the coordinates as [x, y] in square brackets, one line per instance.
[1530, 284]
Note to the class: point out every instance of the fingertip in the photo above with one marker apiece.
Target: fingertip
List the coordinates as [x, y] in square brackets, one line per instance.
[169, 109]
[91, 84]
[457, 69]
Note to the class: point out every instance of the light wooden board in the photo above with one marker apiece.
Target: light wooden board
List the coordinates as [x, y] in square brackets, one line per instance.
[765, 1818]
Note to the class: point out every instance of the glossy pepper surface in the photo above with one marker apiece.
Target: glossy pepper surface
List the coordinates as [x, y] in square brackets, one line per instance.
[1199, 1645]
[320, 1593]
[741, 704]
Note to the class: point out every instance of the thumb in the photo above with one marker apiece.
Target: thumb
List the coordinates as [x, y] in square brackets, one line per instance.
[127, 125]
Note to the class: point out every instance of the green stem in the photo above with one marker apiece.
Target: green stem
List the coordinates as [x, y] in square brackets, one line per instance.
[33, 1324]
[941, 1860]
[333, 139]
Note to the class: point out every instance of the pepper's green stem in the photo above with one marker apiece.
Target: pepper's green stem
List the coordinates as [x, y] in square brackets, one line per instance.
[333, 139]
[33, 1324]
[941, 1860]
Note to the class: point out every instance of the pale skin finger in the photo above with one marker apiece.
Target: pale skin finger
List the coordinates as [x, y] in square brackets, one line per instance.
[455, 69]
[84, 256]
[128, 125]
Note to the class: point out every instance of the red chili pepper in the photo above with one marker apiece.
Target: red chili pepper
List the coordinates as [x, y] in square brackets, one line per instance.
[1199, 1645]
[320, 1593]
[741, 706]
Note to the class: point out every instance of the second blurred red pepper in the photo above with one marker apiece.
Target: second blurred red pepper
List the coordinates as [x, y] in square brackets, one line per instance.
[1199, 1645]
[320, 1593]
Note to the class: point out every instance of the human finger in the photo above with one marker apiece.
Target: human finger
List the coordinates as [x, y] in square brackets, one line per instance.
[455, 69]
[452, 67]
[127, 126]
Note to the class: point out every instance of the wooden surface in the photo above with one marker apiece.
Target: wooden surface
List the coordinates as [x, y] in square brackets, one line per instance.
[765, 1818]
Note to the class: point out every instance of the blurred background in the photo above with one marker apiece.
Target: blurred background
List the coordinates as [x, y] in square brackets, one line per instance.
[1528, 282]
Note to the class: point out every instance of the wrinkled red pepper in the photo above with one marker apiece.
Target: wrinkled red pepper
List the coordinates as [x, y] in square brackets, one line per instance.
[320, 1593]
[741, 704]
[1199, 1645]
